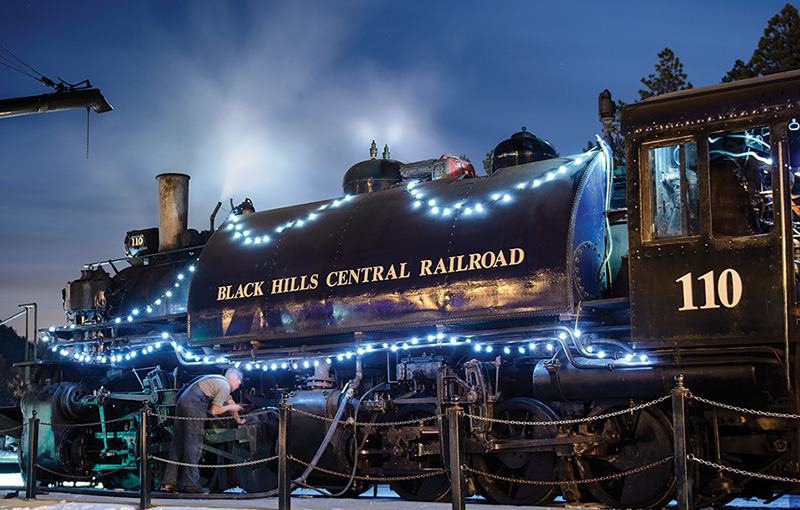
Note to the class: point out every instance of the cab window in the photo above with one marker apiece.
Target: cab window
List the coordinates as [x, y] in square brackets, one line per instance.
[740, 168]
[674, 199]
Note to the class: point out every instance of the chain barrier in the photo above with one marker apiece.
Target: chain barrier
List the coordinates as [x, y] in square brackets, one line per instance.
[368, 424]
[235, 465]
[219, 418]
[85, 477]
[745, 410]
[18, 427]
[740, 471]
[567, 482]
[369, 478]
[90, 424]
[574, 420]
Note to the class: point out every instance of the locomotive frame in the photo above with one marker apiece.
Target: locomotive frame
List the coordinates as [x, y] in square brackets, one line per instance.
[507, 293]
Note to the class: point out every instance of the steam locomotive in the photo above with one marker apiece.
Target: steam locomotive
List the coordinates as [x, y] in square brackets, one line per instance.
[556, 288]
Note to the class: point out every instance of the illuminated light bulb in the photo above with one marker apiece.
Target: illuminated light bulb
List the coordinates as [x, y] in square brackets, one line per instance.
[348, 198]
[238, 227]
[64, 352]
[468, 211]
[521, 350]
[52, 329]
[459, 205]
[284, 365]
[158, 301]
[279, 230]
[489, 348]
[551, 176]
[453, 340]
[300, 223]
[562, 336]
[306, 364]
[257, 240]
[149, 309]
[549, 347]
[562, 169]
[135, 311]
[265, 239]
[628, 357]
[360, 351]
[521, 185]
[348, 355]
[506, 198]
[312, 216]
[316, 362]
[294, 366]
[537, 183]
[179, 348]
[446, 211]
[177, 284]
[577, 333]
[328, 361]
[506, 350]
[149, 348]
[168, 293]
[264, 368]
[394, 348]
[128, 357]
[385, 345]
[133, 354]
[496, 196]
[405, 346]
[417, 203]
[54, 348]
[130, 318]
[192, 268]
[274, 366]
[180, 276]
[435, 210]
[578, 161]
[370, 348]
[340, 357]
[479, 207]
[237, 235]
[601, 354]
[440, 335]
[336, 203]
[431, 202]
[158, 345]
[643, 358]
[468, 340]
[478, 347]
[415, 340]
[532, 346]
[117, 320]
[205, 359]
[248, 241]
[589, 348]
[431, 338]
[230, 226]
[103, 359]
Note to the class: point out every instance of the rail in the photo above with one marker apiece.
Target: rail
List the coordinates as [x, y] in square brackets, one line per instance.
[455, 471]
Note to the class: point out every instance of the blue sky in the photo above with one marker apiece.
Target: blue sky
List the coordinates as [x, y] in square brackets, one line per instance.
[275, 100]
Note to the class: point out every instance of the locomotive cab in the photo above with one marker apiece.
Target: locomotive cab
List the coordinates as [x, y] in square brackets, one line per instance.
[710, 174]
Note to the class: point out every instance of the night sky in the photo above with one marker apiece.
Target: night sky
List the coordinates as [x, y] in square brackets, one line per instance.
[275, 100]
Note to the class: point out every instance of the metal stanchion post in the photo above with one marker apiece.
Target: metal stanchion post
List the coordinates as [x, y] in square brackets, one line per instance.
[284, 487]
[33, 456]
[683, 491]
[456, 474]
[145, 476]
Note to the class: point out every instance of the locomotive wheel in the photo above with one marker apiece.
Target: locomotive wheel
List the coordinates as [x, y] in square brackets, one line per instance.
[432, 488]
[633, 440]
[533, 466]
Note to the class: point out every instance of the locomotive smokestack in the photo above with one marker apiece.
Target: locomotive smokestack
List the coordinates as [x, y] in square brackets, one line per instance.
[173, 207]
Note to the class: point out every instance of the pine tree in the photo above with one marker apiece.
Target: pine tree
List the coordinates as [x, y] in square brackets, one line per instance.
[779, 48]
[669, 76]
